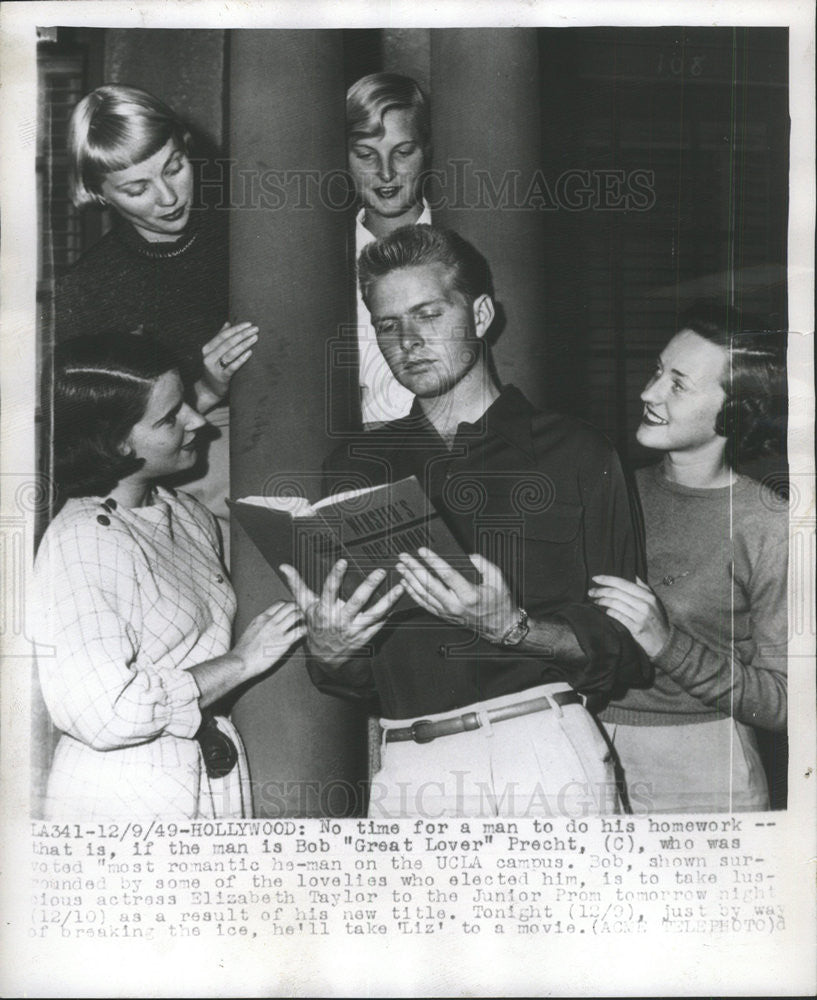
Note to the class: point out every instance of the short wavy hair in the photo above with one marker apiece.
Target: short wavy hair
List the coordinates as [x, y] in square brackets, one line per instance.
[370, 97]
[101, 389]
[112, 128]
[752, 418]
[418, 246]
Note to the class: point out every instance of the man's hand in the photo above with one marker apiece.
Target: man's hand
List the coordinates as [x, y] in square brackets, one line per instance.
[335, 628]
[486, 607]
[638, 609]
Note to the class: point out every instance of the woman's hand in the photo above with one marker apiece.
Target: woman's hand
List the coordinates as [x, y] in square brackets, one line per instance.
[265, 640]
[268, 636]
[223, 356]
[636, 607]
[486, 607]
[336, 628]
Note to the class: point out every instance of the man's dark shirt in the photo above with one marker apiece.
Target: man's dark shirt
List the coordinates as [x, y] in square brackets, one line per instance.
[543, 497]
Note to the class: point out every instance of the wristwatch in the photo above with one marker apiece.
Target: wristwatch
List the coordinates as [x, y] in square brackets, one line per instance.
[517, 632]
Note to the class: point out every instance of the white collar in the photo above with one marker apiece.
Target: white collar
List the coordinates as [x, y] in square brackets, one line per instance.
[363, 237]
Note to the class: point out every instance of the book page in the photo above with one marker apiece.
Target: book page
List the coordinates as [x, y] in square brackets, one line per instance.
[296, 506]
[351, 495]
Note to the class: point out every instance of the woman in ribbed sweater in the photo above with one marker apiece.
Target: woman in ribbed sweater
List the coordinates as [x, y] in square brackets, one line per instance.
[712, 614]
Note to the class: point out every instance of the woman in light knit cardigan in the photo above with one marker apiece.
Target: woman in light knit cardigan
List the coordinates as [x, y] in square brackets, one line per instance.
[712, 614]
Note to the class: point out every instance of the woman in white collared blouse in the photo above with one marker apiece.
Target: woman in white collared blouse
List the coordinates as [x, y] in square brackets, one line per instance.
[388, 135]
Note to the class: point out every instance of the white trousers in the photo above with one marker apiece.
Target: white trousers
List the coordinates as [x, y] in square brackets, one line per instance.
[546, 764]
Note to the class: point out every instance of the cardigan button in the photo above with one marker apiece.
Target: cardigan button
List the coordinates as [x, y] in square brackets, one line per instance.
[219, 578]
[103, 520]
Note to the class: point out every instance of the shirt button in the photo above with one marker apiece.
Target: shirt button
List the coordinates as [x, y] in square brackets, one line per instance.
[441, 649]
[219, 578]
[104, 520]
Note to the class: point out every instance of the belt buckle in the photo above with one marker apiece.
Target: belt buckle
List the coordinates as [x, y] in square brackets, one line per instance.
[472, 721]
[417, 731]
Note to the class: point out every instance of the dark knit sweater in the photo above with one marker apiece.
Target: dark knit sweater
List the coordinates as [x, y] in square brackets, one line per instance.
[177, 292]
[717, 558]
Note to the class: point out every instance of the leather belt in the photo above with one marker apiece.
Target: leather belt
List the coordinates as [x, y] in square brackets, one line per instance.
[426, 730]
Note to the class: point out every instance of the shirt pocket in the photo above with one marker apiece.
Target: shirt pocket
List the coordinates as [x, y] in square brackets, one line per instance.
[553, 567]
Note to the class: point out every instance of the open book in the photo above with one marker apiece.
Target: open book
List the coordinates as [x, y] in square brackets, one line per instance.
[368, 527]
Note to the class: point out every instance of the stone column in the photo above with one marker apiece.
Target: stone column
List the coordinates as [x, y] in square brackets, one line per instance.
[291, 274]
[184, 68]
[487, 138]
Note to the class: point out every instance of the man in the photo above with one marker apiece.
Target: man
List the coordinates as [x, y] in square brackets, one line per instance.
[480, 691]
